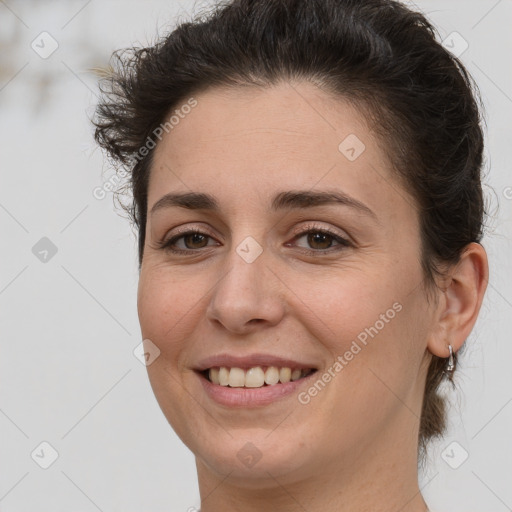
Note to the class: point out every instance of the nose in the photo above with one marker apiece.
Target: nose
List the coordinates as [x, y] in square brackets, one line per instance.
[247, 296]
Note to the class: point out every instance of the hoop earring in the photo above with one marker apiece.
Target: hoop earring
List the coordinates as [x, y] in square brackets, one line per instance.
[450, 365]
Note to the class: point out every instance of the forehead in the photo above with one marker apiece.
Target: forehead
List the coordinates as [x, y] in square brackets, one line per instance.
[286, 117]
[246, 142]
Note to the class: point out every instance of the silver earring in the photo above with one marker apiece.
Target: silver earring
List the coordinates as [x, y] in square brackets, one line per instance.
[450, 366]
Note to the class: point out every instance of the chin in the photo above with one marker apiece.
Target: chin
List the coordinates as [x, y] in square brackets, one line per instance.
[255, 459]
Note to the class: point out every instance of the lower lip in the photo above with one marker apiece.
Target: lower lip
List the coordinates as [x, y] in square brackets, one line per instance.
[251, 397]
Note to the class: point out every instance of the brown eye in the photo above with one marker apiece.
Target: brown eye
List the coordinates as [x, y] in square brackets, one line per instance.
[195, 240]
[187, 242]
[319, 240]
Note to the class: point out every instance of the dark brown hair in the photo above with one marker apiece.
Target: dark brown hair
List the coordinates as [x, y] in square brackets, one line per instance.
[377, 54]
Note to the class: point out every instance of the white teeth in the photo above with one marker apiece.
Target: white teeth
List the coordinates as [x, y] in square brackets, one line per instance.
[285, 375]
[214, 375]
[272, 375]
[223, 376]
[255, 377]
[236, 378]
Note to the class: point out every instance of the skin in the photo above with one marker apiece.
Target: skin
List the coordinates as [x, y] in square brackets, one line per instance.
[353, 447]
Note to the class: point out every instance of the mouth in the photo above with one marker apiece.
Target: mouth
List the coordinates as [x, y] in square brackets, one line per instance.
[253, 380]
[254, 377]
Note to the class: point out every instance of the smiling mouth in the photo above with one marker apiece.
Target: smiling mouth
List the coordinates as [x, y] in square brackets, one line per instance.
[256, 377]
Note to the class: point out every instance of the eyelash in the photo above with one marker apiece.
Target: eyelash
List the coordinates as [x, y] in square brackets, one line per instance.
[166, 245]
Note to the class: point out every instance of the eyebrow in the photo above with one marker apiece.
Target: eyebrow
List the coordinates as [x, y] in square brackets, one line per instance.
[282, 201]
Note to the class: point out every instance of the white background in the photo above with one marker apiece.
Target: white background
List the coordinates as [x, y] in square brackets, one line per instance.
[68, 327]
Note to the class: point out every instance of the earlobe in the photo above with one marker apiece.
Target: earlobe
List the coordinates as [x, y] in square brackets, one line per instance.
[460, 301]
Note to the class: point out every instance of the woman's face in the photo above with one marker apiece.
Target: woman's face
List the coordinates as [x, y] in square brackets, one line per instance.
[270, 280]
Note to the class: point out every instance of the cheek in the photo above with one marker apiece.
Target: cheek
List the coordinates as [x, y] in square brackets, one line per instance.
[344, 305]
[165, 301]
[169, 310]
[370, 323]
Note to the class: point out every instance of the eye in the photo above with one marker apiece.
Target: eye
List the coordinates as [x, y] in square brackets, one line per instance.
[321, 240]
[192, 239]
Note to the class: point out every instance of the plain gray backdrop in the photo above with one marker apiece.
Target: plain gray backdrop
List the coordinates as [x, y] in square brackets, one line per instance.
[68, 279]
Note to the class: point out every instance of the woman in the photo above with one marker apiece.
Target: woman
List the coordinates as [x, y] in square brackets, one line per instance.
[306, 188]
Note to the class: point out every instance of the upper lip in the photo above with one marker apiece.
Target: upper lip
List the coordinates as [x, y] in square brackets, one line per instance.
[250, 361]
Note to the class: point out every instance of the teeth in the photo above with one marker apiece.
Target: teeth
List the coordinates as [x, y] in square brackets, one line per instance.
[272, 375]
[285, 375]
[255, 377]
[236, 378]
[296, 374]
[223, 376]
[214, 375]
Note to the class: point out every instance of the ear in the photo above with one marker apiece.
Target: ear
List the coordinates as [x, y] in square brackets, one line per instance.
[459, 301]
